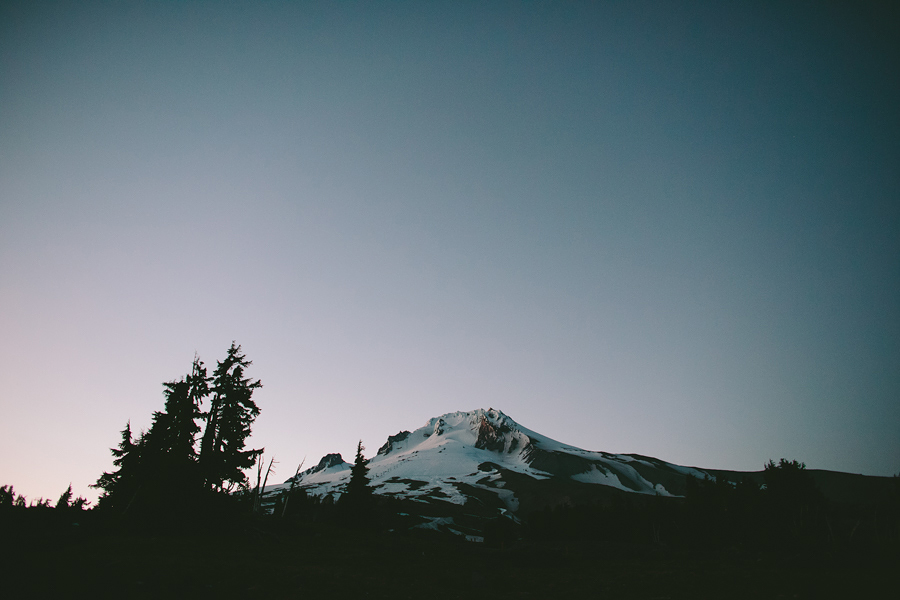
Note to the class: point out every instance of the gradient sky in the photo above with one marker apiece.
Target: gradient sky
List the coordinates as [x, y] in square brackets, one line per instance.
[655, 227]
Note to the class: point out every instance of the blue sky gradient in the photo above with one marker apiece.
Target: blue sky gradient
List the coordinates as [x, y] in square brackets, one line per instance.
[657, 227]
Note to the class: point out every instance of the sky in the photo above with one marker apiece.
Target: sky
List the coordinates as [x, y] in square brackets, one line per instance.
[666, 228]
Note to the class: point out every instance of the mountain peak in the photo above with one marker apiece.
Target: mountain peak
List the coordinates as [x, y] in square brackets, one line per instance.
[472, 455]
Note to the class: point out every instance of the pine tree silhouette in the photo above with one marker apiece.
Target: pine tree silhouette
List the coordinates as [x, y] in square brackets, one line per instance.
[65, 498]
[228, 421]
[120, 486]
[358, 498]
[7, 496]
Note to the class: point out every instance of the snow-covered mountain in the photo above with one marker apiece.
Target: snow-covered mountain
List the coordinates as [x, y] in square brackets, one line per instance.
[483, 458]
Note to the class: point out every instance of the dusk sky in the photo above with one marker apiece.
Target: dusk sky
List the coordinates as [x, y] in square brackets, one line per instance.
[669, 228]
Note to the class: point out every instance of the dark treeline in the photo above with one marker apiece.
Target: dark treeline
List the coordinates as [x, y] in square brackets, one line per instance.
[786, 513]
[9, 499]
[41, 516]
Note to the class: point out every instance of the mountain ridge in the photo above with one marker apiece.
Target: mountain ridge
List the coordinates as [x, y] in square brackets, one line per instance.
[464, 470]
[455, 452]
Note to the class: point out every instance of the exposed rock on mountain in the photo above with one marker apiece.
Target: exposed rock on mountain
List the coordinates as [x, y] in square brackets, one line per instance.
[392, 440]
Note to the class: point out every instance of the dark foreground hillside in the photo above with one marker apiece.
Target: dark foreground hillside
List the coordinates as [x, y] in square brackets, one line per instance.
[723, 539]
[264, 559]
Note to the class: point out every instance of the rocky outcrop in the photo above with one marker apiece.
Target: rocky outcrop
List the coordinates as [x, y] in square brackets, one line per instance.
[496, 432]
[392, 441]
[328, 461]
[491, 435]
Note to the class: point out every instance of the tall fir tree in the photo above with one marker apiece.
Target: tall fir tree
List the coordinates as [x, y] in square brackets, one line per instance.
[198, 383]
[120, 486]
[162, 462]
[8, 496]
[359, 493]
[174, 430]
[229, 419]
[65, 498]
[169, 448]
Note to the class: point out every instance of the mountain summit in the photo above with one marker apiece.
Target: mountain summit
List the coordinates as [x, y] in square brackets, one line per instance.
[483, 457]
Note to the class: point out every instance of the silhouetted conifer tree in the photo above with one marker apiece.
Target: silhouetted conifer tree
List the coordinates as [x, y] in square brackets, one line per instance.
[65, 498]
[198, 383]
[168, 459]
[120, 486]
[231, 413]
[7, 496]
[170, 441]
[161, 462]
[358, 497]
